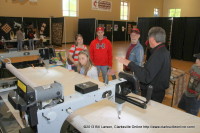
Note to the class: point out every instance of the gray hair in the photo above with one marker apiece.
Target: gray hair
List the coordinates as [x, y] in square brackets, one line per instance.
[158, 34]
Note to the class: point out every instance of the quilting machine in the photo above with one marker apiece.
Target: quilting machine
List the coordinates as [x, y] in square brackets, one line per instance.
[41, 57]
[45, 108]
[8, 82]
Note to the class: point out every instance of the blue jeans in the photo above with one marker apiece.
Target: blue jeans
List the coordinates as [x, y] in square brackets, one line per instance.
[104, 70]
[19, 45]
[31, 42]
[189, 104]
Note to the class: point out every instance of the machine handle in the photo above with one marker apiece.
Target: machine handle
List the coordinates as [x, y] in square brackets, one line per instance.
[142, 105]
[45, 117]
[149, 93]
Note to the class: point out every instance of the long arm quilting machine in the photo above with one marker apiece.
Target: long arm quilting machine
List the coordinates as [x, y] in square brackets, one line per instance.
[45, 108]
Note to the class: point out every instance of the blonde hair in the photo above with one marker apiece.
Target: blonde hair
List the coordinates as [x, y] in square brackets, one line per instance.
[88, 65]
[76, 37]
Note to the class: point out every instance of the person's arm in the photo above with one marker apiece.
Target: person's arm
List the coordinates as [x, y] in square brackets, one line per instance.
[93, 73]
[191, 69]
[71, 52]
[197, 89]
[28, 35]
[109, 54]
[21, 34]
[71, 59]
[85, 47]
[92, 51]
[146, 74]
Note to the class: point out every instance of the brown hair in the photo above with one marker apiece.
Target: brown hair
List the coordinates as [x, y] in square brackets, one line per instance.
[88, 65]
[76, 37]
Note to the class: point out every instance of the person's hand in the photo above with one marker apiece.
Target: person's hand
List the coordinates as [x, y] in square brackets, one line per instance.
[123, 61]
[198, 98]
[76, 63]
[111, 72]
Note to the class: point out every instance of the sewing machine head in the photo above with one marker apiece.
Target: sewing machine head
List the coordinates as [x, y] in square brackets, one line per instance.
[28, 100]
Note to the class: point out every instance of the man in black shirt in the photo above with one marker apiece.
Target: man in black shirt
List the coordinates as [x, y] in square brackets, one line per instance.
[157, 69]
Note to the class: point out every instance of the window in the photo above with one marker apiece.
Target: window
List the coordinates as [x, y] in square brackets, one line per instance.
[124, 12]
[70, 8]
[174, 12]
[156, 12]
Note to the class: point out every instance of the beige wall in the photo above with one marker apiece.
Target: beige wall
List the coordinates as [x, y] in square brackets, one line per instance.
[144, 8]
[43, 8]
[48, 8]
[138, 8]
[189, 8]
[71, 26]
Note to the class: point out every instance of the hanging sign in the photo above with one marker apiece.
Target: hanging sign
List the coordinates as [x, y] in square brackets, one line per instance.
[102, 5]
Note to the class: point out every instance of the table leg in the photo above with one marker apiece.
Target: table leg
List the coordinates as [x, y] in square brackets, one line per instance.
[174, 84]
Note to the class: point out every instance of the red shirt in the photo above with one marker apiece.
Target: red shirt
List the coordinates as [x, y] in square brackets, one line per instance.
[129, 50]
[71, 51]
[101, 52]
[128, 54]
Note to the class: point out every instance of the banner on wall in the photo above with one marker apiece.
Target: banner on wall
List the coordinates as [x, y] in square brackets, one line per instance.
[102, 5]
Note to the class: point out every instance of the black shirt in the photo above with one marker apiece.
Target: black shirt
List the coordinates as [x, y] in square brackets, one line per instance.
[156, 71]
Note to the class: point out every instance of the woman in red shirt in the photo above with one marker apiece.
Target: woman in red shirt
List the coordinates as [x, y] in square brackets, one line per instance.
[74, 51]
